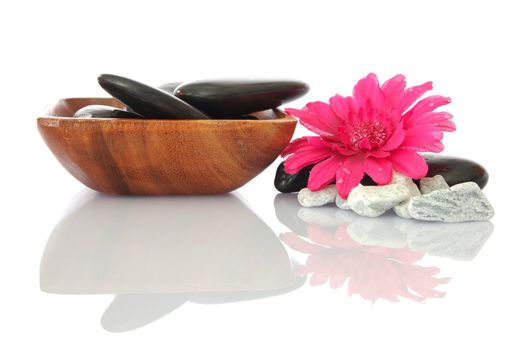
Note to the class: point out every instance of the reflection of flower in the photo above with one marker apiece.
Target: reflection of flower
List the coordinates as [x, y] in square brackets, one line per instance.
[373, 272]
[372, 132]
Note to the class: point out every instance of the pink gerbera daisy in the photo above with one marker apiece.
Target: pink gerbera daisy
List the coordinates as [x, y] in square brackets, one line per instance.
[372, 132]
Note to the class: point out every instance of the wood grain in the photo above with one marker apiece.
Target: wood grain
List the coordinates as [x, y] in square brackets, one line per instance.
[162, 157]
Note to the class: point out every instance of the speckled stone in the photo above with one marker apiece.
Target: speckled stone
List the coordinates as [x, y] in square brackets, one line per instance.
[462, 202]
[401, 209]
[373, 201]
[430, 184]
[307, 198]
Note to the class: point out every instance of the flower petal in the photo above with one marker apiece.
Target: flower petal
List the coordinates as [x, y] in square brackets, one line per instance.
[349, 175]
[423, 138]
[427, 104]
[396, 138]
[325, 115]
[296, 145]
[408, 163]
[311, 121]
[324, 173]
[393, 89]
[340, 107]
[409, 96]
[379, 169]
[367, 93]
[309, 155]
[441, 120]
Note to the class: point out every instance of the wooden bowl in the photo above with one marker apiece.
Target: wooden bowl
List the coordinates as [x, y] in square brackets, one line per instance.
[162, 157]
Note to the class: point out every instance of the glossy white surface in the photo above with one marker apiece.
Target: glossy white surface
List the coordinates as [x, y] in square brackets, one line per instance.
[192, 273]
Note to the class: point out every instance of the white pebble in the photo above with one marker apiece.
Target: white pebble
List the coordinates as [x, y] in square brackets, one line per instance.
[373, 201]
[307, 198]
[342, 203]
[430, 184]
[401, 209]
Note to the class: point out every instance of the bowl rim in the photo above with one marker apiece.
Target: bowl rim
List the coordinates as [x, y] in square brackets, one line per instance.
[47, 116]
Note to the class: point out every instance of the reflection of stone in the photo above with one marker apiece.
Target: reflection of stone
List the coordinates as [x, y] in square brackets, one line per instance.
[158, 251]
[461, 241]
[286, 207]
[382, 232]
[321, 216]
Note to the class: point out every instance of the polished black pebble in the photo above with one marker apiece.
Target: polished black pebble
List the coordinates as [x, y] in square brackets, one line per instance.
[102, 111]
[454, 170]
[287, 183]
[150, 102]
[170, 87]
[239, 97]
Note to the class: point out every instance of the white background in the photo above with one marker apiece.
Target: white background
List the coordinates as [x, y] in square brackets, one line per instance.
[473, 51]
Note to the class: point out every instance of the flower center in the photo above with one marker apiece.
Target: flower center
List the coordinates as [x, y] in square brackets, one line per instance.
[374, 132]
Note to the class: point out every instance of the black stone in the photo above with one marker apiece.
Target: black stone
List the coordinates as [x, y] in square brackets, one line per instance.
[241, 117]
[150, 102]
[454, 170]
[102, 111]
[170, 87]
[239, 97]
[287, 183]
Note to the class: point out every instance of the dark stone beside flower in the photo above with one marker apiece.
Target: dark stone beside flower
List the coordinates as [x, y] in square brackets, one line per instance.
[239, 97]
[287, 183]
[148, 101]
[454, 170]
[102, 111]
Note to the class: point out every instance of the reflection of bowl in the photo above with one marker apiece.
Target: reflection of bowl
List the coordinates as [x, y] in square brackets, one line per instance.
[158, 253]
[156, 157]
[122, 245]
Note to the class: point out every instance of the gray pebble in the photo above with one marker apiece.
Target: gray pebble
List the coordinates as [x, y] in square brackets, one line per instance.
[462, 202]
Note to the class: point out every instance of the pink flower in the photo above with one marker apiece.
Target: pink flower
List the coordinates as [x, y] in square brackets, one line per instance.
[372, 132]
